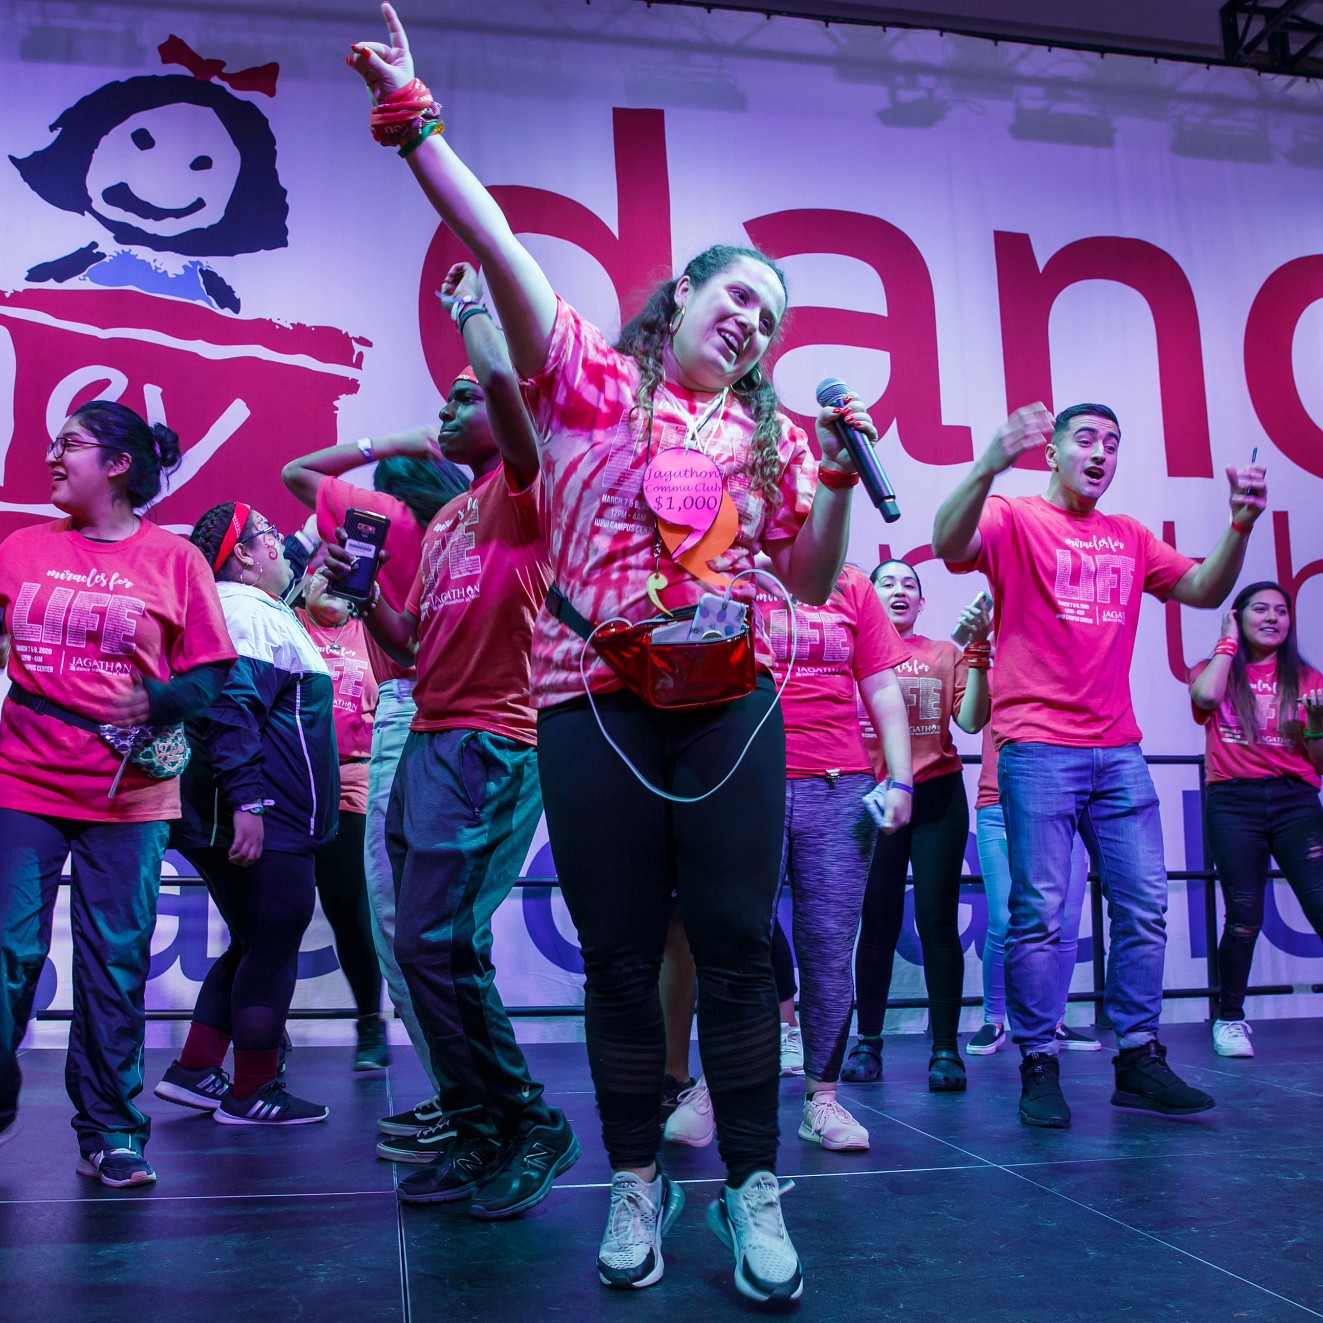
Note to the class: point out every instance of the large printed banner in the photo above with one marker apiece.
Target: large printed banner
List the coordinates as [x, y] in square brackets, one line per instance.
[195, 221]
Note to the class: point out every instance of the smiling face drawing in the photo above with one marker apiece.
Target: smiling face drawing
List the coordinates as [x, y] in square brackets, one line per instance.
[165, 170]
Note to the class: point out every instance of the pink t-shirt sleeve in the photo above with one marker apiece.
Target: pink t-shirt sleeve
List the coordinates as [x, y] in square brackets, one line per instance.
[1201, 714]
[798, 482]
[202, 636]
[994, 528]
[1164, 566]
[573, 378]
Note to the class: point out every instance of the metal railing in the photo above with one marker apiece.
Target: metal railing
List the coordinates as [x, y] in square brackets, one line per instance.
[1206, 875]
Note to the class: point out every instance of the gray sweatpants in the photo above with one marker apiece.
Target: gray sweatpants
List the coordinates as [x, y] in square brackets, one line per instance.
[826, 850]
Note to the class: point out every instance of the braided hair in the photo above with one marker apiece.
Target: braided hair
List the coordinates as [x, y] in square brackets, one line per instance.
[152, 448]
[209, 531]
[645, 336]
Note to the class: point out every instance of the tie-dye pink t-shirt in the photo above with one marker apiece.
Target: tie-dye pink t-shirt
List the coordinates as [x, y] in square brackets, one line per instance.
[600, 529]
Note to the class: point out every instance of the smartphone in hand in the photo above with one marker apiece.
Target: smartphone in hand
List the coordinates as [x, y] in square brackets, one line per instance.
[365, 535]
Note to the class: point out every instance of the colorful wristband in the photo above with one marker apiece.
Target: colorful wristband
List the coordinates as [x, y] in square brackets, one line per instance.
[900, 785]
[1245, 531]
[1314, 734]
[1226, 647]
[837, 478]
[434, 126]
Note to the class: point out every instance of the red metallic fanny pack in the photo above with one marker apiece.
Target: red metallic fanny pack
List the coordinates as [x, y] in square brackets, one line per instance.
[693, 673]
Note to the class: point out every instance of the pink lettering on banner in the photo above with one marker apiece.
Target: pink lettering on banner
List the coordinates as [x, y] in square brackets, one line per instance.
[227, 385]
[907, 330]
[1027, 293]
[1269, 366]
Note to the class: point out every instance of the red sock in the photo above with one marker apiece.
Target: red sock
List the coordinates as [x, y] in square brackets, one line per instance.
[253, 1069]
[205, 1048]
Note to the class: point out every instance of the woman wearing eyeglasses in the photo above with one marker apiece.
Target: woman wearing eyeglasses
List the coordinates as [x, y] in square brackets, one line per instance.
[260, 796]
[109, 619]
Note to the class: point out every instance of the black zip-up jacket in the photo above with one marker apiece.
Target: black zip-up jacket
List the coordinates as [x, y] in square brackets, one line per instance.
[269, 736]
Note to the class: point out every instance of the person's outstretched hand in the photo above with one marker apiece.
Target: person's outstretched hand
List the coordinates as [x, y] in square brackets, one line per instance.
[384, 66]
[462, 282]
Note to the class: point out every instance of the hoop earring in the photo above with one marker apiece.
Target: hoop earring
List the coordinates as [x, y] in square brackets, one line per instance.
[750, 383]
[676, 318]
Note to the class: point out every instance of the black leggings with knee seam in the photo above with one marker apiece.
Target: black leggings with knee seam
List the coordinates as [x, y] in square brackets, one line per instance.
[342, 887]
[934, 845]
[247, 991]
[621, 852]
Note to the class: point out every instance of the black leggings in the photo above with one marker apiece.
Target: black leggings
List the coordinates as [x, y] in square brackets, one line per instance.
[342, 887]
[246, 993]
[934, 843]
[621, 852]
[1248, 820]
[783, 963]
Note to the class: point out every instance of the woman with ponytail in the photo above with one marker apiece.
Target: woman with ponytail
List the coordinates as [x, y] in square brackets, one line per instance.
[1261, 706]
[259, 798]
[686, 377]
[114, 628]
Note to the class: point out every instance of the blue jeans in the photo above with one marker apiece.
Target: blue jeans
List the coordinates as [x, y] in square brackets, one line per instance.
[1049, 792]
[390, 730]
[994, 863]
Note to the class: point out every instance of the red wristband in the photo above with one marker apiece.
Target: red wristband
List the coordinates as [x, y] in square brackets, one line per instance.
[837, 478]
[1244, 532]
[1226, 647]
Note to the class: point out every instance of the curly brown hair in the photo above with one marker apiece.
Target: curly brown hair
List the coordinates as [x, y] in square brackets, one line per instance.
[645, 337]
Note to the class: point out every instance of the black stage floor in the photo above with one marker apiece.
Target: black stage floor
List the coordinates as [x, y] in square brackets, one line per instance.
[957, 1213]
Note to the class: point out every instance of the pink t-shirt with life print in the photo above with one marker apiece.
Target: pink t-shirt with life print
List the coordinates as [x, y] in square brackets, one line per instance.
[599, 527]
[404, 542]
[933, 681]
[84, 618]
[344, 650]
[483, 576]
[1230, 754]
[1068, 590]
[847, 639]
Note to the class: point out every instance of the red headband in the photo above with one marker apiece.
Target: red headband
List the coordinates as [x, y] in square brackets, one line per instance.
[232, 534]
[467, 375]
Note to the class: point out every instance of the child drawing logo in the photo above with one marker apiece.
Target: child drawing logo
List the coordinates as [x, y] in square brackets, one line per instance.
[169, 163]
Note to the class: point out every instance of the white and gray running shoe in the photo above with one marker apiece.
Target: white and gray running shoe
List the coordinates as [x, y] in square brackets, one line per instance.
[641, 1213]
[748, 1220]
[1231, 1038]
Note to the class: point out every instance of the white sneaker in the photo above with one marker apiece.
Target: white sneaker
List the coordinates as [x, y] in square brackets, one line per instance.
[641, 1213]
[792, 1050]
[827, 1123]
[1231, 1038]
[748, 1220]
[692, 1121]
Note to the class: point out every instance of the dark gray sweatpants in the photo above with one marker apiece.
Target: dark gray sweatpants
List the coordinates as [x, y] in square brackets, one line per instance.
[826, 850]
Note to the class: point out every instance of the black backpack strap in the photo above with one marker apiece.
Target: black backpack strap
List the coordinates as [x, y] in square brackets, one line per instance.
[559, 606]
[47, 708]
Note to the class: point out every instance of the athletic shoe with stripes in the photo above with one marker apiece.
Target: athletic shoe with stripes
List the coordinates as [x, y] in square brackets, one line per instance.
[417, 1118]
[641, 1213]
[272, 1104]
[748, 1221]
[425, 1146]
[202, 1089]
[117, 1167]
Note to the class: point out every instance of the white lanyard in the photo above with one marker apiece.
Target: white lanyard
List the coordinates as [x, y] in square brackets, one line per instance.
[693, 428]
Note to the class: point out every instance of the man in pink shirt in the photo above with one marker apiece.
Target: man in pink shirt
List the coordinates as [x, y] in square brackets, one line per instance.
[1067, 580]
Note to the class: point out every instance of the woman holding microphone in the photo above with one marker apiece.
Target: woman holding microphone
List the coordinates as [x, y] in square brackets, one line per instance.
[684, 376]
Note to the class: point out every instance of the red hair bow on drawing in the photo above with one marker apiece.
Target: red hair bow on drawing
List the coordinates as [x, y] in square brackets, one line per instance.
[260, 78]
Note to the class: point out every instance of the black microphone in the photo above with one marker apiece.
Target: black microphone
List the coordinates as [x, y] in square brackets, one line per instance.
[832, 393]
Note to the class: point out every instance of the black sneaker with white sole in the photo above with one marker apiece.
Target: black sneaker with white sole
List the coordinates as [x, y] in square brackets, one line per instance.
[202, 1089]
[422, 1147]
[415, 1119]
[117, 1167]
[272, 1104]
